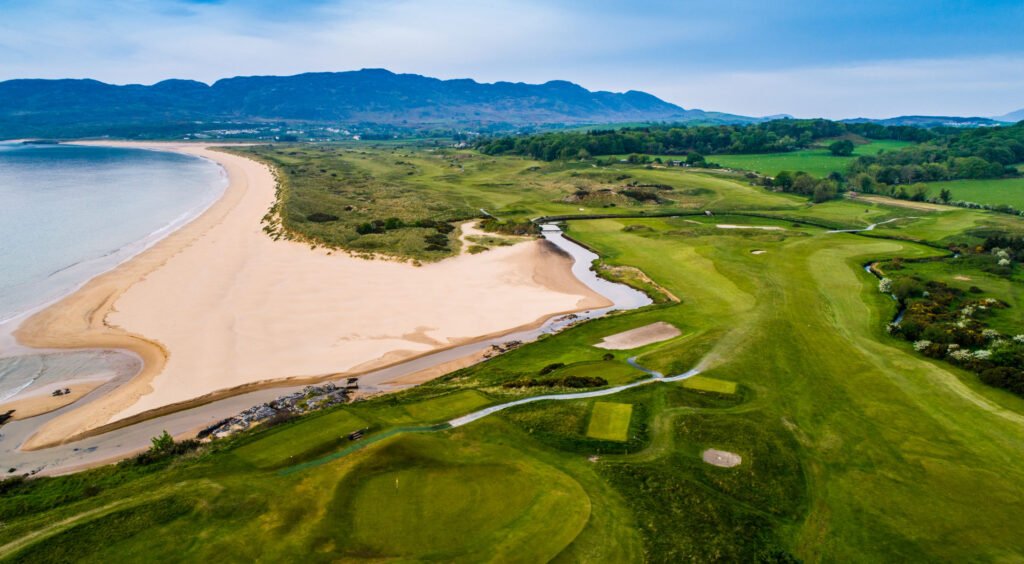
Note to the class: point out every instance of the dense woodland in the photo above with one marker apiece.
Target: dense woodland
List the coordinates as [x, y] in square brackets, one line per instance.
[777, 136]
[958, 154]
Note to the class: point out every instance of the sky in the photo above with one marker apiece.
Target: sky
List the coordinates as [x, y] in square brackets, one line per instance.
[869, 58]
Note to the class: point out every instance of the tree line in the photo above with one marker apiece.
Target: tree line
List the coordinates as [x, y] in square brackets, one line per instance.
[776, 136]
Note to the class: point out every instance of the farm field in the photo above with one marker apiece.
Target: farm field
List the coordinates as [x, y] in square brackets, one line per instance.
[1000, 191]
[854, 447]
[816, 162]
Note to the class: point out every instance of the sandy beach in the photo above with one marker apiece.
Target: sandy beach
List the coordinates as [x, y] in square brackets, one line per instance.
[218, 307]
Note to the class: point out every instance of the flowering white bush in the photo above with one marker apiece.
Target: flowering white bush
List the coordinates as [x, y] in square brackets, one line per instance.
[885, 285]
[952, 347]
[990, 333]
[960, 355]
[892, 327]
[991, 301]
[921, 345]
[967, 311]
[982, 354]
[1019, 339]
[1004, 262]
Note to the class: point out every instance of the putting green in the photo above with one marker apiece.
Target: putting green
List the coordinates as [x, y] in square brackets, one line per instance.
[427, 498]
[610, 421]
[705, 384]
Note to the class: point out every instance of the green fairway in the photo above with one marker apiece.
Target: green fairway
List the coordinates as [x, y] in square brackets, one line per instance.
[705, 384]
[291, 444]
[1005, 191]
[610, 421]
[816, 162]
[437, 409]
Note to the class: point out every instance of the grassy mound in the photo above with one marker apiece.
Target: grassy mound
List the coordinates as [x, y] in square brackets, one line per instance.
[426, 498]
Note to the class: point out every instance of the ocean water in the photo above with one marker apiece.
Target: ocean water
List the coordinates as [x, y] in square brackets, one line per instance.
[68, 213]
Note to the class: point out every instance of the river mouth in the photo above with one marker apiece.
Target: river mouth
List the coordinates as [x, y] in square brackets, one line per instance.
[134, 436]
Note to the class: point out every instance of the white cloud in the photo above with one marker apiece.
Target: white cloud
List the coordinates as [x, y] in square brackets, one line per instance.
[614, 48]
[956, 86]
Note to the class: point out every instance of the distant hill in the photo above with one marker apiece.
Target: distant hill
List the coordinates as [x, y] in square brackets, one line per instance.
[88, 107]
[1012, 117]
[929, 121]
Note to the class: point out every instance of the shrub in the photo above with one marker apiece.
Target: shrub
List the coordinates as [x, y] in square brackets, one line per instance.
[551, 368]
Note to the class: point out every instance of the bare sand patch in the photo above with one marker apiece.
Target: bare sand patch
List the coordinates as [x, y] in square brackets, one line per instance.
[219, 307]
[764, 227]
[653, 333]
[721, 458]
[758, 252]
[42, 401]
[962, 278]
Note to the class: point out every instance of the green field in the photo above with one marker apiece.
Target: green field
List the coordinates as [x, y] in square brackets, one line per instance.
[855, 446]
[1008, 191]
[705, 384]
[816, 162]
[610, 421]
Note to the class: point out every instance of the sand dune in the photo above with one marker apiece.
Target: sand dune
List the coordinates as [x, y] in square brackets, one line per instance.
[219, 305]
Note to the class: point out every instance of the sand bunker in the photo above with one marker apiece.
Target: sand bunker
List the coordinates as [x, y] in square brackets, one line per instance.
[758, 252]
[721, 458]
[764, 227]
[653, 333]
[962, 278]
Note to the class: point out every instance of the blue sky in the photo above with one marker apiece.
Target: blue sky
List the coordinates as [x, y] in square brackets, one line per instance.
[807, 58]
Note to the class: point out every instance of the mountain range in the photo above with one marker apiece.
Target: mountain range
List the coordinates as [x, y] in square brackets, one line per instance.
[80, 107]
[1012, 117]
[84, 107]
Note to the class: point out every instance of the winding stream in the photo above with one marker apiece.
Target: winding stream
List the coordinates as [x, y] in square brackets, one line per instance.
[122, 442]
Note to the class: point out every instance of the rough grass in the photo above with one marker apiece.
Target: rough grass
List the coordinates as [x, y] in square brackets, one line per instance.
[610, 421]
[412, 184]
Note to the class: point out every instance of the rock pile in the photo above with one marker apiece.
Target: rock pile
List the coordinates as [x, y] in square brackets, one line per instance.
[495, 350]
[310, 398]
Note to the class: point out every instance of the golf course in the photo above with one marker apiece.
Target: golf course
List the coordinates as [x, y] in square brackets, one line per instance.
[850, 444]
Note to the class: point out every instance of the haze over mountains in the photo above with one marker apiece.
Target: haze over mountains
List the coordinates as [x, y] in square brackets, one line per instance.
[75, 108]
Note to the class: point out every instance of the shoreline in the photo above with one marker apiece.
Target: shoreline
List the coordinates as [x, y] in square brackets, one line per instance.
[78, 320]
[82, 320]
